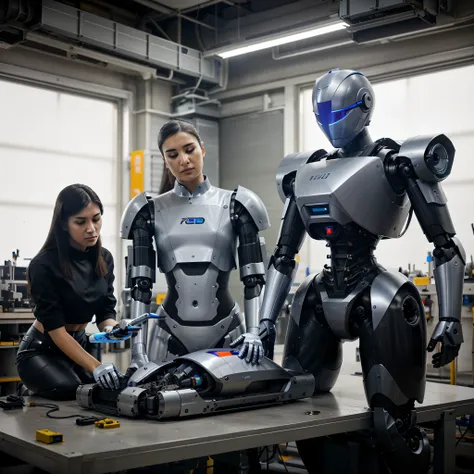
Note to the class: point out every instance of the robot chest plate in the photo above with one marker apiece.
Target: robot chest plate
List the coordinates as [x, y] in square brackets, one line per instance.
[197, 230]
[349, 190]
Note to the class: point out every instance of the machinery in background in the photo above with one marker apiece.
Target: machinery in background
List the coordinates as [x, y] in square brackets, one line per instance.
[198, 384]
[461, 369]
[421, 279]
[13, 285]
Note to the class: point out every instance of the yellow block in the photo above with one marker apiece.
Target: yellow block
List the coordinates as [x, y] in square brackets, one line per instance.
[160, 297]
[49, 437]
[421, 281]
[107, 423]
[137, 173]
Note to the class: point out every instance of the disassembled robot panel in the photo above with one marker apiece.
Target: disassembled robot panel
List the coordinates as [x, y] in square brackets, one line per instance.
[353, 197]
[201, 383]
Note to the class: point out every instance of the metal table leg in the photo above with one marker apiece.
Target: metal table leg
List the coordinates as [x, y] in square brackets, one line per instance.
[445, 444]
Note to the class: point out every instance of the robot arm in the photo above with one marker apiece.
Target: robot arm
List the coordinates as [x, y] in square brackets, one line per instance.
[281, 271]
[137, 226]
[249, 216]
[423, 162]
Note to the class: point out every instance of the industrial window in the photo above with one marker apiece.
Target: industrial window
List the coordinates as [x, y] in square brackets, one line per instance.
[48, 140]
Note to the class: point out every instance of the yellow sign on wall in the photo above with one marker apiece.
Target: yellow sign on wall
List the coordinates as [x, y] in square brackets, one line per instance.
[137, 173]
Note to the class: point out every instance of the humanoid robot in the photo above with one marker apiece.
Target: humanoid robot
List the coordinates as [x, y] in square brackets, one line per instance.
[196, 237]
[351, 198]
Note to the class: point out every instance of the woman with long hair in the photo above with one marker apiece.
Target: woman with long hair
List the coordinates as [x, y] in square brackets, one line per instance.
[70, 281]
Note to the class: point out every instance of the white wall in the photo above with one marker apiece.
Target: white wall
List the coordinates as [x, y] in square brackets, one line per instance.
[48, 140]
[426, 104]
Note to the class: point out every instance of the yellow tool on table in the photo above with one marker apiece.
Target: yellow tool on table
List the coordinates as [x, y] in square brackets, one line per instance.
[107, 423]
[49, 437]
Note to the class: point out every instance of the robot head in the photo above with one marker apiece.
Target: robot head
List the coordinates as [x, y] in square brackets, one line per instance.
[343, 102]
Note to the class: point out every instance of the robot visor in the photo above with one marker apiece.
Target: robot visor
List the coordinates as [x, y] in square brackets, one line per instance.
[326, 116]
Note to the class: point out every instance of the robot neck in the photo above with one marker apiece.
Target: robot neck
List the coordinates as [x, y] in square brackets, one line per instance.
[356, 146]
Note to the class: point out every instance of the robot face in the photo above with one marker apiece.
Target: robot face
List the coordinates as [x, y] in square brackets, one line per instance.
[343, 102]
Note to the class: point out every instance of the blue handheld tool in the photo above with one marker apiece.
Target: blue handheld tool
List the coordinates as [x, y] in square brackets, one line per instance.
[119, 333]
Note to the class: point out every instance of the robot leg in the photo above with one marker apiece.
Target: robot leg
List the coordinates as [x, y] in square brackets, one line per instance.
[392, 332]
[310, 345]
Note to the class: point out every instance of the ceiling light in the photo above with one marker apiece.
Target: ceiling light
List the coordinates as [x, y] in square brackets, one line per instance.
[277, 41]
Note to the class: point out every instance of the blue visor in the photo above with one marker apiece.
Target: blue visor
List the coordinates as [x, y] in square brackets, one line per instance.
[326, 116]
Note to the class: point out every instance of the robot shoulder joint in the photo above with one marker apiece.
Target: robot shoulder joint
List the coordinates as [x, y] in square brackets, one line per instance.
[254, 206]
[289, 166]
[431, 156]
[138, 205]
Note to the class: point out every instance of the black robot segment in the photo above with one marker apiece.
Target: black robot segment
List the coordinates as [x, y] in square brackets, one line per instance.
[200, 383]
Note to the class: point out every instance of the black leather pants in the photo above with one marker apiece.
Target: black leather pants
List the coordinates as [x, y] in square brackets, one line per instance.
[46, 371]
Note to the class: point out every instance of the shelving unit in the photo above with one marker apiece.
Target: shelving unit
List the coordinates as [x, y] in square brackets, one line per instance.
[15, 323]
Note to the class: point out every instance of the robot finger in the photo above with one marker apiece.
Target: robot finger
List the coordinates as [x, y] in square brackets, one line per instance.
[432, 345]
[237, 342]
[436, 360]
[260, 354]
[250, 351]
[244, 350]
[255, 354]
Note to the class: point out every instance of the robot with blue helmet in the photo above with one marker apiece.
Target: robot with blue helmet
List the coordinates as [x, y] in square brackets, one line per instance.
[351, 198]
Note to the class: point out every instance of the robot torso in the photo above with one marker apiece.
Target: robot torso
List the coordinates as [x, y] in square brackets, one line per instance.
[196, 248]
[331, 193]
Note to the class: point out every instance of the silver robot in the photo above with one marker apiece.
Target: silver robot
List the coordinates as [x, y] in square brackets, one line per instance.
[351, 198]
[195, 235]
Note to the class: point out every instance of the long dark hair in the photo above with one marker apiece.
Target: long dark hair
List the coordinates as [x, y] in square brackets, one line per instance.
[168, 130]
[71, 200]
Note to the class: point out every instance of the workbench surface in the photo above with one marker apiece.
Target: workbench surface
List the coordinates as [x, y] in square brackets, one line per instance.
[139, 443]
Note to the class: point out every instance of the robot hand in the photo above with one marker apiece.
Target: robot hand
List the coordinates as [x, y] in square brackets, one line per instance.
[107, 376]
[448, 331]
[267, 333]
[251, 347]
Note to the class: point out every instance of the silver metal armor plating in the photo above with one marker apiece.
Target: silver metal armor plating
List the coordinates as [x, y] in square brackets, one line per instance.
[352, 198]
[196, 236]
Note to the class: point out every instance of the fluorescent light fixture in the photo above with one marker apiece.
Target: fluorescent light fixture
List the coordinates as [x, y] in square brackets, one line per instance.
[270, 43]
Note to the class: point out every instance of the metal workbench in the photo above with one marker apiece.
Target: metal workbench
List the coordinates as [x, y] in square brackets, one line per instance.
[139, 443]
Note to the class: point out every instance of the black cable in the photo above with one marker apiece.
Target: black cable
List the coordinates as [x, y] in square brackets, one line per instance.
[52, 408]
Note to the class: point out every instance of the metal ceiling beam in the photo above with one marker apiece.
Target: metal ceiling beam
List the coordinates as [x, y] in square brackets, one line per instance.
[158, 7]
[208, 4]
